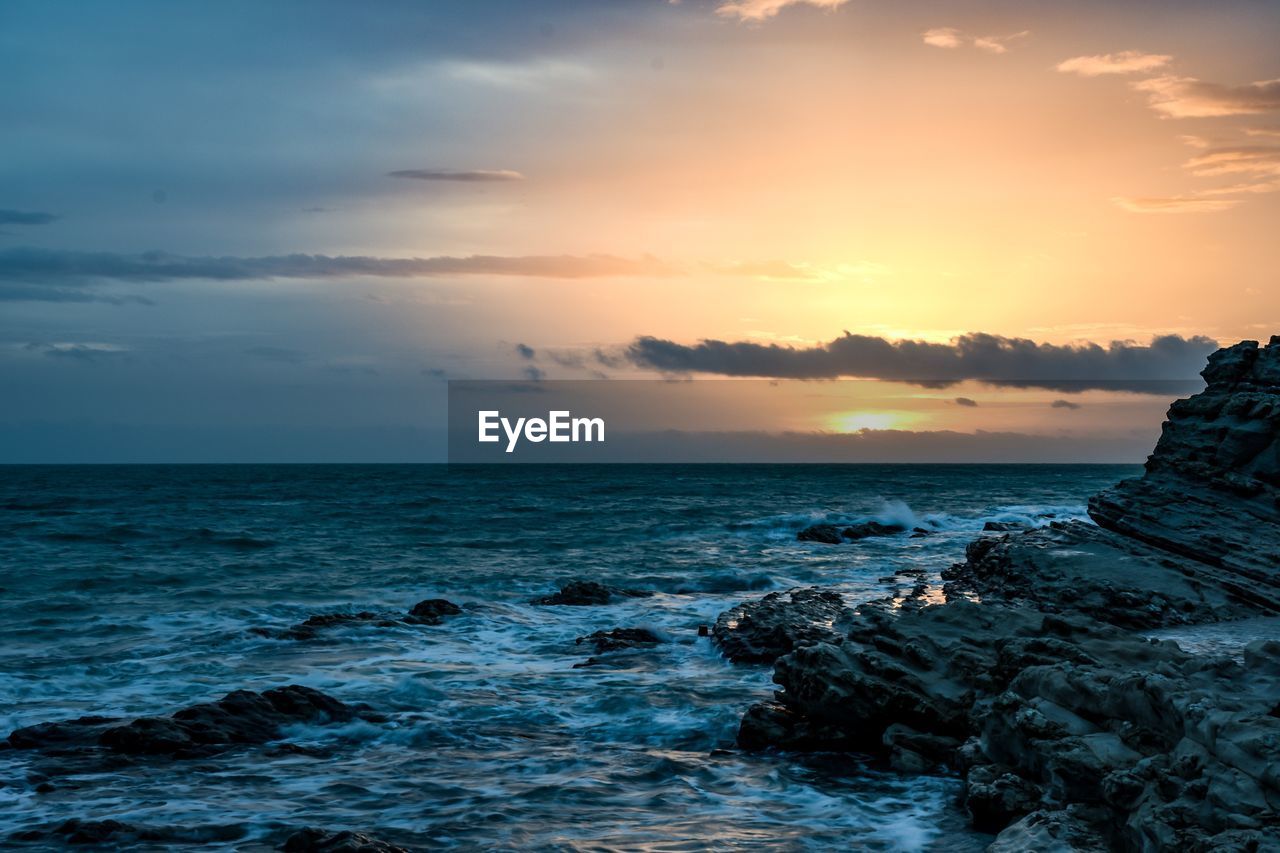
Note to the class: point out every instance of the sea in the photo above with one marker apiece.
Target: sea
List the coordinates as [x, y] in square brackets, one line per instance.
[139, 590]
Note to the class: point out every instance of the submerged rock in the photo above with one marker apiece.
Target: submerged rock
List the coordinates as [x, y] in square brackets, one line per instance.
[620, 639]
[585, 593]
[760, 631]
[432, 611]
[1073, 731]
[429, 612]
[313, 840]
[239, 718]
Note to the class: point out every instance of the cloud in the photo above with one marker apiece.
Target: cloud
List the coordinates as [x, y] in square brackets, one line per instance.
[525, 351]
[1187, 97]
[466, 176]
[988, 358]
[1124, 62]
[1064, 404]
[998, 44]
[26, 217]
[966, 401]
[951, 38]
[76, 351]
[1268, 132]
[534, 374]
[24, 269]
[762, 10]
[1175, 204]
[1245, 159]
[945, 37]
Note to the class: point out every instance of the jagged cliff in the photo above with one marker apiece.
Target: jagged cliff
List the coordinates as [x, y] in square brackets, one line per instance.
[1072, 730]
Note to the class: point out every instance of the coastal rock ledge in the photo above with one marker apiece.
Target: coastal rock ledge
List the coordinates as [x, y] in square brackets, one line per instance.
[1071, 729]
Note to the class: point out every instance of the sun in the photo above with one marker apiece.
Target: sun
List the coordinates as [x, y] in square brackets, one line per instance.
[859, 421]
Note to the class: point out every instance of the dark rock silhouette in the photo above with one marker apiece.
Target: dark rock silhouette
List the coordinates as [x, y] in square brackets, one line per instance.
[585, 593]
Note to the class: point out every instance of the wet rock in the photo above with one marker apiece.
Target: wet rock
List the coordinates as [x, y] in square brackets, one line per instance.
[313, 840]
[81, 731]
[832, 534]
[620, 639]
[241, 717]
[586, 593]
[827, 534]
[1003, 526]
[429, 612]
[864, 529]
[760, 631]
[995, 797]
[432, 611]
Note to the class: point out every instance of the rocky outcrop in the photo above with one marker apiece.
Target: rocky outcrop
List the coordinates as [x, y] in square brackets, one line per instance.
[242, 717]
[834, 534]
[1211, 490]
[761, 631]
[1073, 731]
[583, 593]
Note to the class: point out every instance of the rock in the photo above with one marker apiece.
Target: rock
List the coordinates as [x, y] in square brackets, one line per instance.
[1073, 731]
[240, 717]
[620, 639]
[760, 631]
[864, 529]
[827, 534]
[832, 534]
[313, 840]
[1003, 526]
[432, 611]
[996, 797]
[429, 612]
[1210, 493]
[584, 593]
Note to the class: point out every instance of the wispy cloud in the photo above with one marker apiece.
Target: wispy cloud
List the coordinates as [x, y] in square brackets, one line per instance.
[1188, 97]
[762, 10]
[1247, 159]
[988, 358]
[1175, 204]
[1124, 62]
[466, 176]
[951, 38]
[26, 217]
[967, 402]
[41, 266]
[1064, 404]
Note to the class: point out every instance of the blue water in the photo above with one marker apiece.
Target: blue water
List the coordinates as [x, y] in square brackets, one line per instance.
[131, 590]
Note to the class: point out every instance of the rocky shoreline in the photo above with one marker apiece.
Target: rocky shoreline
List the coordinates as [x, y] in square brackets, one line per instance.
[1072, 730]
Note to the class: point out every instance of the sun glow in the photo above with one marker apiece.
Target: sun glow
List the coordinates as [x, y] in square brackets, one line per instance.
[860, 421]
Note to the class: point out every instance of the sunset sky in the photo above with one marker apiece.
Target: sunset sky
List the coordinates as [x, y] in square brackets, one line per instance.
[276, 230]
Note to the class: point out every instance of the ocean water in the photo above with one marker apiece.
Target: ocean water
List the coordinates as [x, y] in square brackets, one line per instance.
[131, 590]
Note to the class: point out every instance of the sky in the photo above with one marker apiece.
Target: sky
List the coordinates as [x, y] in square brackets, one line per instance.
[254, 232]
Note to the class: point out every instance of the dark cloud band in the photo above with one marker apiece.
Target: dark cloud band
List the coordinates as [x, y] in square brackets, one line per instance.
[1120, 365]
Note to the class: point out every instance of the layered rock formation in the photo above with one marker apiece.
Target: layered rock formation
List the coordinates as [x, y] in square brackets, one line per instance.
[1072, 730]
